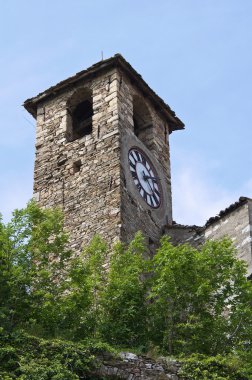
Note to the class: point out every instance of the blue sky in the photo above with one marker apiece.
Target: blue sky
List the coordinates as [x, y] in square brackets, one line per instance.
[196, 54]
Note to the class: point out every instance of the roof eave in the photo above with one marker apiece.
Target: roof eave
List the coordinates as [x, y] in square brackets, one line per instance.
[234, 206]
[116, 61]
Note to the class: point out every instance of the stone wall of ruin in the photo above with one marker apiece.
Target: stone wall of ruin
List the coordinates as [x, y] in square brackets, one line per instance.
[129, 366]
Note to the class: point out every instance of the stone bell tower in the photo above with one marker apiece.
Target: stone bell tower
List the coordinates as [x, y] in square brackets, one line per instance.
[102, 153]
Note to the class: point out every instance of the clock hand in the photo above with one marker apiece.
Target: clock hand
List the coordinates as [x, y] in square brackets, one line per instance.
[146, 177]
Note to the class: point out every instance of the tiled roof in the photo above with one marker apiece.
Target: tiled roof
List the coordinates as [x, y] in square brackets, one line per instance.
[226, 211]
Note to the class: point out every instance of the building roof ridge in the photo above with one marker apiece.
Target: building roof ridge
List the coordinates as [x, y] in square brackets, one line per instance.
[242, 200]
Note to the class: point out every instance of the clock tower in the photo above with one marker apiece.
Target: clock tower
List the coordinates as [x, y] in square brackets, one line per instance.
[102, 153]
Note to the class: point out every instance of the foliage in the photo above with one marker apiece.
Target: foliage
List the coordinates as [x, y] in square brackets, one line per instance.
[181, 301]
[242, 359]
[26, 357]
[108, 305]
[124, 298]
[200, 367]
[33, 258]
[82, 305]
[200, 299]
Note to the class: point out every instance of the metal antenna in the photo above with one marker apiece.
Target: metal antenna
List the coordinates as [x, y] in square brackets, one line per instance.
[102, 55]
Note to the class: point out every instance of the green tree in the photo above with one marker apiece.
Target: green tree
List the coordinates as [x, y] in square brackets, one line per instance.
[200, 300]
[124, 297]
[13, 281]
[33, 258]
[87, 279]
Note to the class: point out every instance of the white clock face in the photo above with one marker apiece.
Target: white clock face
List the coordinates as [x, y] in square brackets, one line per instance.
[145, 178]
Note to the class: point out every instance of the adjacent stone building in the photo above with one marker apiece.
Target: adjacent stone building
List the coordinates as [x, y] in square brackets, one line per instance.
[102, 156]
[234, 222]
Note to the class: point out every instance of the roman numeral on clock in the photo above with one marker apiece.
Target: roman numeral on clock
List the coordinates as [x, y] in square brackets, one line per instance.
[145, 196]
[132, 166]
[134, 175]
[139, 186]
[151, 203]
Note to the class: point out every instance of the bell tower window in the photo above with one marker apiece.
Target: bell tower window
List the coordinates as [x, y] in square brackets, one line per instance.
[80, 112]
[143, 127]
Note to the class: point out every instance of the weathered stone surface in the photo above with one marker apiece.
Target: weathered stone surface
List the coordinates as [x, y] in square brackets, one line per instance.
[90, 197]
[132, 367]
[181, 234]
[136, 215]
[235, 222]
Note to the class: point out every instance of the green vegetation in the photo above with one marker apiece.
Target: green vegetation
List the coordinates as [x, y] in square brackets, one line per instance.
[56, 311]
[28, 357]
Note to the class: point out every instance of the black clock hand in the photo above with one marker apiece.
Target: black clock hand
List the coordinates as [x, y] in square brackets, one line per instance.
[146, 177]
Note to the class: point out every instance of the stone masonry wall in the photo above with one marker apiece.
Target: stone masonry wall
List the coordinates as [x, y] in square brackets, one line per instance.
[237, 226]
[90, 197]
[234, 222]
[180, 234]
[129, 366]
[99, 197]
[136, 214]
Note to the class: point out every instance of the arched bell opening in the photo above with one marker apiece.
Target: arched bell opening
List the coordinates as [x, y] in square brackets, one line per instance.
[80, 112]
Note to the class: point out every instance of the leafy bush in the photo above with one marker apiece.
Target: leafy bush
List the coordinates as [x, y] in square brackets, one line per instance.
[27, 357]
[200, 367]
[33, 259]
[82, 304]
[200, 299]
[181, 301]
[124, 321]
